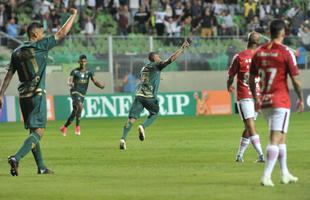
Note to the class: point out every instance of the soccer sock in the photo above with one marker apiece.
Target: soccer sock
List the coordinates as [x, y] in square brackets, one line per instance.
[282, 159]
[272, 156]
[244, 143]
[78, 118]
[149, 120]
[78, 121]
[256, 144]
[36, 152]
[71, 118]
[126, 130]
[32, 140]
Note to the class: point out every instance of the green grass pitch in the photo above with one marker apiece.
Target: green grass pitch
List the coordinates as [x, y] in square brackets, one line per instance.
[181, 158]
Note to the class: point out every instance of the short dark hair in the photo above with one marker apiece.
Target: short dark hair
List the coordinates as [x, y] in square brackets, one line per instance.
[82, 57]
[276, 26]
[33, 26]
[151, 56]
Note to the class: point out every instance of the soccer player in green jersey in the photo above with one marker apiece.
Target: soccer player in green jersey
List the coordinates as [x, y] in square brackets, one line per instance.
[146, 93]
[78, 83]
[29, 60]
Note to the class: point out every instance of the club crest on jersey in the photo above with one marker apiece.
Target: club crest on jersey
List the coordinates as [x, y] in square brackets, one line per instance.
[265, 63]
[82, 75]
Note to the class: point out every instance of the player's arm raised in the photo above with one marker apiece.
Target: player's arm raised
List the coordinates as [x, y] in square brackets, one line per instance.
[298, 89]
[97, 83]
[64, 30]
[175, 55]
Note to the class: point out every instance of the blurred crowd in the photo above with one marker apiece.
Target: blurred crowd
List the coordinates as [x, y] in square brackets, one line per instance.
[203, 18]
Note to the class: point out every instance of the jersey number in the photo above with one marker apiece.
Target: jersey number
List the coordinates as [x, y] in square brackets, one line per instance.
[25, 56]
[267, 75]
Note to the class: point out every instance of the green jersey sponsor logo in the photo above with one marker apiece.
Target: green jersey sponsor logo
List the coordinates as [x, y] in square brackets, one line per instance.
[80, 80]
[149, 80]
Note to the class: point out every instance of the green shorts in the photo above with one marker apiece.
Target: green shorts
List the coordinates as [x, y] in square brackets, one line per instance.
[34, 111]
[76, 99]
[151, 104]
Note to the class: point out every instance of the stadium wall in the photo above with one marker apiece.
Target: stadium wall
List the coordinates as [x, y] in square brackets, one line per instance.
[209, 80]
[117, 105]
[205, 102]
[56, 84]
[178, 81]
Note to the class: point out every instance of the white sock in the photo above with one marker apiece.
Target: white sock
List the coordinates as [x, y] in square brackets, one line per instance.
[256, 144]
[282, 159]
[272, 156]
[244, 143]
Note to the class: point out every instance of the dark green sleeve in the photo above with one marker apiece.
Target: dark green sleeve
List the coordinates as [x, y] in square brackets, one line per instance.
[160, 66]
[47, 43]
[91, 74]
[12, 66]
[72, 73]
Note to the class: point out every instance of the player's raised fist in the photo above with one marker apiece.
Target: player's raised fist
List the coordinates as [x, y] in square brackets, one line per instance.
[73, 11]
[185, 45]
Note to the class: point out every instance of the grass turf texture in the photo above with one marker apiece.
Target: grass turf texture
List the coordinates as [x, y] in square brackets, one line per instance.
[181, 158]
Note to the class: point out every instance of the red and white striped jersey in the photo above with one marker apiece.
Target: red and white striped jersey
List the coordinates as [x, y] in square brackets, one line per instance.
[273, 62]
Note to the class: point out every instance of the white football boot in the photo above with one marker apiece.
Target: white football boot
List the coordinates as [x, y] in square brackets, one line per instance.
[266, 181]
[141, 133]
[122, 144]
[288, 178]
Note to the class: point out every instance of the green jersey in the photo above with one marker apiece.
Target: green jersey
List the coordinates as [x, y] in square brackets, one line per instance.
[150, 79]
[29, 60]
[80, 81]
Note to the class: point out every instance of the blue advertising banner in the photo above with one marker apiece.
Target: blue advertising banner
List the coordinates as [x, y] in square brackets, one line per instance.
[3, 112]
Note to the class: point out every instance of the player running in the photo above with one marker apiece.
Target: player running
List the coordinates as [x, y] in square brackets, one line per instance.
[78, 83]
[146, 93]
[274, 62]
[241, 66]
[29, 60]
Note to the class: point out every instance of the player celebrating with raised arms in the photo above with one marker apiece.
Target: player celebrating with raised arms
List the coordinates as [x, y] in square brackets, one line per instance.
[146, 93]
[273, 62]
[78, 83]
[241, 66]
[29, 60]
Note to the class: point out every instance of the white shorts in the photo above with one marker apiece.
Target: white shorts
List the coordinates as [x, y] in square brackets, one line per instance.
[278, 118]
[246, 109]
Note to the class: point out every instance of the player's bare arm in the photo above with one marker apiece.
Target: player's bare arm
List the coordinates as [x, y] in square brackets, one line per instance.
[70, 81]
[230, 81]
[7, 79]
[298, 89]
[64, 30]
[97, 83]
[176, 54]
[252, 85]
